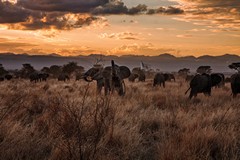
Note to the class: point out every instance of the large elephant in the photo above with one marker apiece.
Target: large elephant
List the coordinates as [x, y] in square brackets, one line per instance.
[159, 79]
[235, 84]
[203, 83]
[111, 78]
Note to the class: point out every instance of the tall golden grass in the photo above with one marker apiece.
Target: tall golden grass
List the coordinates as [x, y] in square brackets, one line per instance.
[57, 120]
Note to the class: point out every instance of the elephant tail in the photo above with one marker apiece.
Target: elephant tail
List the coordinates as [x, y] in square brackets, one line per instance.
[187, 90]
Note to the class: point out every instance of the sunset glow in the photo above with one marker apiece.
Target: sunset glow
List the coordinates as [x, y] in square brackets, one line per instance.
[138, 27]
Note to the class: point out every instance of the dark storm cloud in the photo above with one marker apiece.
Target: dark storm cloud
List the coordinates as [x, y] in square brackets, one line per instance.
[169, 10]
[119, 8]
[76, 6]
[115, 7]
[58, 21]
[67, 14]
[17, 17]
[10, 13]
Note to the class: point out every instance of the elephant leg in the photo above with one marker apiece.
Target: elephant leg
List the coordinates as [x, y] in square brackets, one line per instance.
[107, 87]
[99, 86]
[163, 84]
[121, 91]
[191, 94]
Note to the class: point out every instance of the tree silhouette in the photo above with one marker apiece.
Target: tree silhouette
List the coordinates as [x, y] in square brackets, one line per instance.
[72, 67]
[45, 69]
[184, 71]
[55, 70]
[26, 70]
[2, 70]
[235, 66]
[204, 69]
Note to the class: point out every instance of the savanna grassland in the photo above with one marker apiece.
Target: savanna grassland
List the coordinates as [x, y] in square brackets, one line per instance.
[57, 120]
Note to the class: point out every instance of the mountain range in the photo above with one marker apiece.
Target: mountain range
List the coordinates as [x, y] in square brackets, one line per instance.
[164, 62]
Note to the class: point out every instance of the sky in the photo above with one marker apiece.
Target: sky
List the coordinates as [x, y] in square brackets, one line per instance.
[120, 27]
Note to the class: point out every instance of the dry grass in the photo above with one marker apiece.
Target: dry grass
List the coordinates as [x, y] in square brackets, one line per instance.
[57, 120]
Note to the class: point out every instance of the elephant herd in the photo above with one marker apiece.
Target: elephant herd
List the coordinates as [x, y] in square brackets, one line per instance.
[111, 79]
[6, 77]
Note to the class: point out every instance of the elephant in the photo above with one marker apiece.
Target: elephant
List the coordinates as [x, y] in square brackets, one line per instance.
[38, 77]
[203, 83]
[170, 77]
[137, 73]
[111, 78]
[43, 76]
[142, 76]
[159, 79]
[222, 83]
[95, 73]
[235, 84]
[34, 77]
[63, 77]
[8, 77]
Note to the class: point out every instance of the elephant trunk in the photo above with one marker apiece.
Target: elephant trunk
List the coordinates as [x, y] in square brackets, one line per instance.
[113, 68]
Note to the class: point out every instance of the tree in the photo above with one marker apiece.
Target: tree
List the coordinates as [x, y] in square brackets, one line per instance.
[2, 70]
[184, 71]
[26, 70]
[55, 70]
[71, 67]
[235, 66]
[204, 69]
[45, 69]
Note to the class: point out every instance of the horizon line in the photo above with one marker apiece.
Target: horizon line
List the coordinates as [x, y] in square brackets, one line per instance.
[109, 55]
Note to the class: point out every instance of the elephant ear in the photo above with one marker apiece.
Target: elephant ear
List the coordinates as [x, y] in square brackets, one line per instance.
[215, 79]
[124, 72]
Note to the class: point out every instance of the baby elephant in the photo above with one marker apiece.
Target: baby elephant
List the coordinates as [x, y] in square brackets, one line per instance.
[159, 79]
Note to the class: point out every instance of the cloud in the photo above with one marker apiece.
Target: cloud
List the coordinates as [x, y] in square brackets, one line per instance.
[184, 36]
[121, 36]
[166, 10]
[137, 49]
[219, 14]
[10, 13]
[16, 47]
[67, 14]
[74, 6]
[57, 21]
